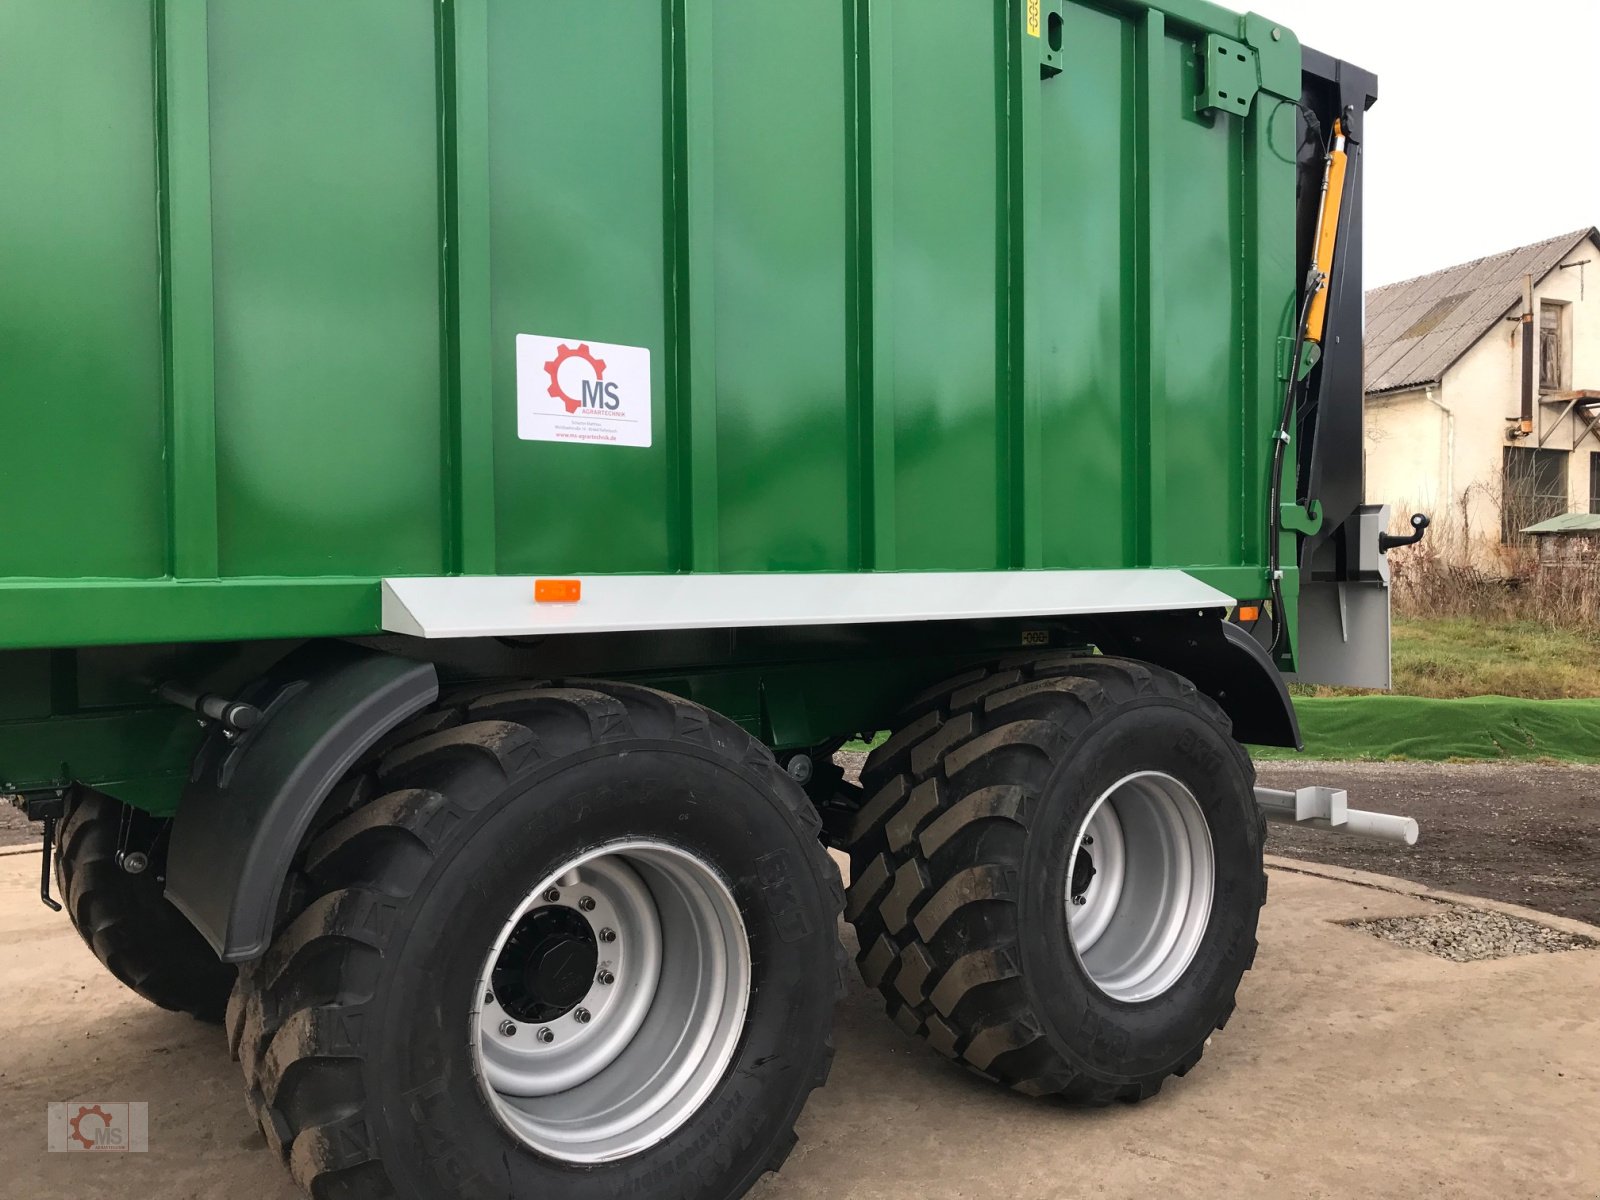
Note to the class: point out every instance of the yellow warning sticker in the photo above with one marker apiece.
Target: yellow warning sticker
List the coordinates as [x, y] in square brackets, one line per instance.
[1033, 18]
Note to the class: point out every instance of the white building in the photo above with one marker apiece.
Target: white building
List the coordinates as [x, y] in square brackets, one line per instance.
[1459, 424]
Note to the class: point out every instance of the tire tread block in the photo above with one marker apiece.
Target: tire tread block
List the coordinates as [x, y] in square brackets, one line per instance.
[923, 802]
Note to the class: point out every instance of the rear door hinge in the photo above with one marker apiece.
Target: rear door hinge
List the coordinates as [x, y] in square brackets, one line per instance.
[1310, 356]
[1231, 77]
[1297, 519]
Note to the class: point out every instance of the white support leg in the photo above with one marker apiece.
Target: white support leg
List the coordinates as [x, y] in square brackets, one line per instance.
[1329, 808]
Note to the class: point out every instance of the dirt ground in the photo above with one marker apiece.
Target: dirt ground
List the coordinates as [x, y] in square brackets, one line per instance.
[1524, 834]
[14, 829]
[1353, 1067]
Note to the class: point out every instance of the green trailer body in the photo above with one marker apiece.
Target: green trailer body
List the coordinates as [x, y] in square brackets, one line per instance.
[966, 287]
[909, 304]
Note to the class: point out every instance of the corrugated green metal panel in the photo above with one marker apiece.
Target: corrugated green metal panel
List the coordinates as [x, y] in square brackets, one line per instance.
[779, 195]
[578, 249]
[81, 400]
[1198, 217]
[935, 229]
[1087, 261]
[326, 227]
[908, 304]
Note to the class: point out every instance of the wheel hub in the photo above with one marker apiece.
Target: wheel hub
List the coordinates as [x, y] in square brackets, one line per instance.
[547, 966]
[1083, 872]
[1139, 902]
[612, 1001]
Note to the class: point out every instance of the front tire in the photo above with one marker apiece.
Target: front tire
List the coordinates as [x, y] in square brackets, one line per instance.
[124, 918]
[1058, 876]
[471, 1001]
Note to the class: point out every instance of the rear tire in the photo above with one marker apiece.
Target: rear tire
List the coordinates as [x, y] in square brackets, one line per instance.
[967, 860]
[124, 918]
[391, 1038]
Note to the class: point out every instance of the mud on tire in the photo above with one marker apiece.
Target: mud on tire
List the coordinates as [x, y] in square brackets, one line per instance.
[959, 867]
[353, 1029]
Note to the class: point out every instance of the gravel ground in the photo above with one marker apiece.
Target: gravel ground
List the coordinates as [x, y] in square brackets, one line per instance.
[1471, 935]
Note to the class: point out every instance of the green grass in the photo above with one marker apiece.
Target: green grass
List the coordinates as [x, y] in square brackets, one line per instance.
[860, 747]
[1465, 690]
[1449, 658]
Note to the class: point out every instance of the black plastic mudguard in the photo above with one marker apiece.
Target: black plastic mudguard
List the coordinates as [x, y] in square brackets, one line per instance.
[1223, 660]
[251, 798]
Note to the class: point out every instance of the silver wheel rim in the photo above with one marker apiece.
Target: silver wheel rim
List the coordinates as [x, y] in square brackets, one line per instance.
[1139, 886]
[594, 1070]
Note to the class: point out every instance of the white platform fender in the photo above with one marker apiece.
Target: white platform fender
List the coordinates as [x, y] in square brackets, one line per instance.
[504, 605]
[1329, 808]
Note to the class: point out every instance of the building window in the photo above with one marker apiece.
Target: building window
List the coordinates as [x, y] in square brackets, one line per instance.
[1594, 482]
[1534, 489]
[1552, 346]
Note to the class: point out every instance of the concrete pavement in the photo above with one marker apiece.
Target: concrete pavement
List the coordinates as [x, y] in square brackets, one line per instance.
[1354, 1067]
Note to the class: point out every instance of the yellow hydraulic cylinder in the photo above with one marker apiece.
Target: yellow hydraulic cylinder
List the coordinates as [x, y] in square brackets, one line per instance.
[1328, 232]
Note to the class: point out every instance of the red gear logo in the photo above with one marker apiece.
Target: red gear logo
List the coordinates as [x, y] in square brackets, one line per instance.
[77, 1124]
[564, 353]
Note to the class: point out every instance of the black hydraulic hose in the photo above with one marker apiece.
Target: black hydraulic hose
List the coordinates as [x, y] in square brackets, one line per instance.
[1280, 622]
[1314, 285]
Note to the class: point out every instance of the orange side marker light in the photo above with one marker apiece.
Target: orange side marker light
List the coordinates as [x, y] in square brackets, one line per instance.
[557, 591]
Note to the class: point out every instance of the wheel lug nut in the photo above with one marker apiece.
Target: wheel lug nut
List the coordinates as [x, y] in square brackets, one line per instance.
[488, 997]
[507, 1029]
[581, 1015]
[587, 904]
[544, 1035]
[552, 895]
[605, 979]
[1088, 841]
[608, 935]
[1079, 901]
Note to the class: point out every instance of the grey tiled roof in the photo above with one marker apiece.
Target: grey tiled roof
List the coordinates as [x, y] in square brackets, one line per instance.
[1417, 330]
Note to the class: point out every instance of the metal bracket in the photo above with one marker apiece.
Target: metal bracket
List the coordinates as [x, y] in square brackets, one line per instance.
[1307, 520]
[1285, 358]
[1232, 74]
[49, 806]
[1310, 356]
[1045, 22]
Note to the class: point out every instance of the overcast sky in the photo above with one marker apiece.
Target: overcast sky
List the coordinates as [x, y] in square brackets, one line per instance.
[1484, 135]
